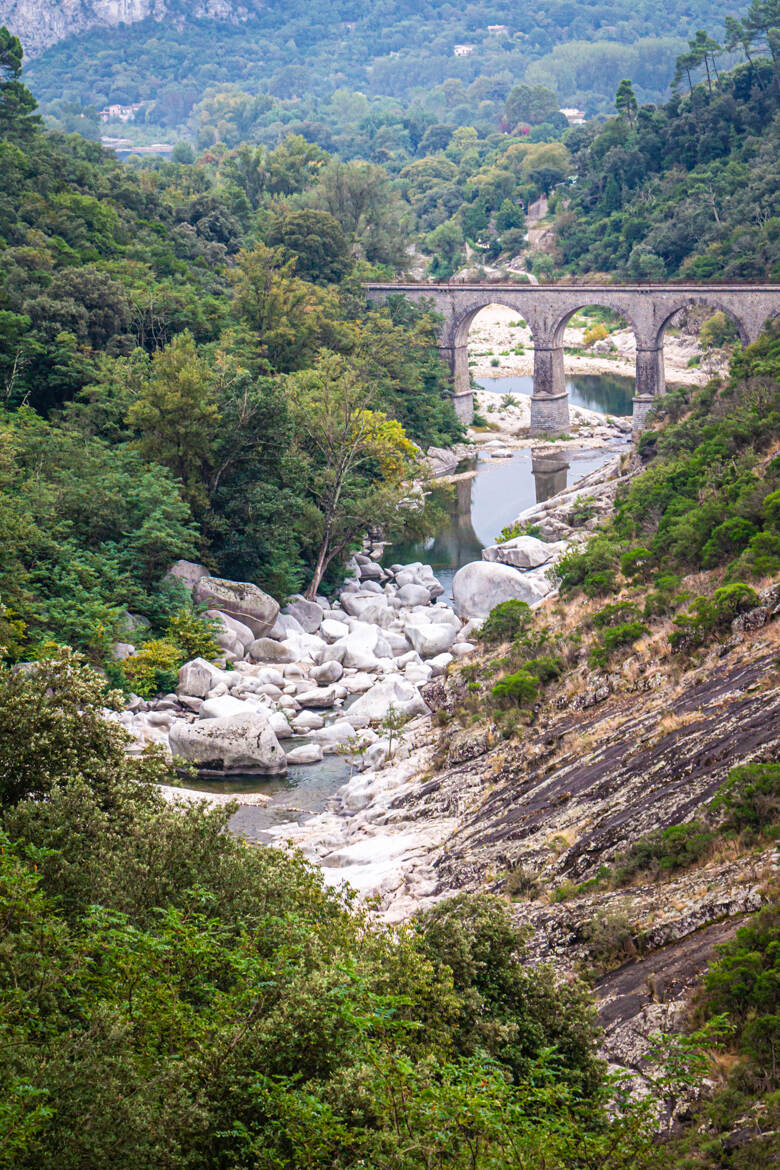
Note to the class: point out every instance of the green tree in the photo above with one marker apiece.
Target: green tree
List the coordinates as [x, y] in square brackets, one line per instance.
[315, 241]
[360, 461]
[17, 104]
[626, 103]
[177, 417]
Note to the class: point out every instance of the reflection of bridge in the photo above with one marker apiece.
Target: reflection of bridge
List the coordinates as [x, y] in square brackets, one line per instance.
[547, 309]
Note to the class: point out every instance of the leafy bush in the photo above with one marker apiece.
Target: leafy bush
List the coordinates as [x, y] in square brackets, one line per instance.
[546, 668]
[610, 939]
[615, 614]
[636, 562]
[595, 333]
[710, 615]
[193, 633]
[750, 799]
[592, 569]
[519, 689]
[154, 668]
[664, 851]
[745, 983]
[613, 637]
[506, 621]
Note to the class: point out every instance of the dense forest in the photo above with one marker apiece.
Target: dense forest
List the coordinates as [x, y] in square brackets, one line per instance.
[162, 363]
[303, 53]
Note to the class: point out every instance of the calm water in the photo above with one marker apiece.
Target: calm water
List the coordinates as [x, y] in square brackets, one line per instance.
[475, 510]
[606, 393]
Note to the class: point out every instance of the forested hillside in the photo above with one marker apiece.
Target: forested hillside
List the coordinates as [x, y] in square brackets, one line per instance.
[159, 358]
[308, 51]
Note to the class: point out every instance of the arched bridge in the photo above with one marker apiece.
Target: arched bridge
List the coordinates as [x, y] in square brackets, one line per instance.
[547, 310]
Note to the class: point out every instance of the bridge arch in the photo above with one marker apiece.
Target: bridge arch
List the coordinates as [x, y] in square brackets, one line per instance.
[715, 303]
[548, 308]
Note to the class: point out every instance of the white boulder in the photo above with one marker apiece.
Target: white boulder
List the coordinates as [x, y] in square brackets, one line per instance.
[240, 600]
[238, 743]
[307, 753]
[392, 691]
[480, 586]
[431, 640]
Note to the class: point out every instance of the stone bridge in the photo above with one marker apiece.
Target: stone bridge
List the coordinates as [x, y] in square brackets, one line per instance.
[547, 310]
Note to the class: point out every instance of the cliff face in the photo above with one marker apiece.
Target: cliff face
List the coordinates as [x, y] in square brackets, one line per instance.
[40, 24]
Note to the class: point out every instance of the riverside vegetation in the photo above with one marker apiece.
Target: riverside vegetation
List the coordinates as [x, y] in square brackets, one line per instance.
[171, 996]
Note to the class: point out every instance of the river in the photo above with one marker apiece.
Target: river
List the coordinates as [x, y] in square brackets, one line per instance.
[475, 508]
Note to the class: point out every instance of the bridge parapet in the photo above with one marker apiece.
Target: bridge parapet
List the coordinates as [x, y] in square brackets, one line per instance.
[548, 308]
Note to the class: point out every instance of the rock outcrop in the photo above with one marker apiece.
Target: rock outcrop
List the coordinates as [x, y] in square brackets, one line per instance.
[40, 24]
[231, 744]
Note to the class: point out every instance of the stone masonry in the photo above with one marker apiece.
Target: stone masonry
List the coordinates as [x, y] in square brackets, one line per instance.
[547, 310]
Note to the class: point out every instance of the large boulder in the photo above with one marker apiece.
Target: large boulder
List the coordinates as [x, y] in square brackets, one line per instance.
[524, 552]
[222, 707]
[429, 640]
[480, 586]
[392, 692]
[232, 635]
[200, 676]
[236, 744]
[267, 650]
[320, 697]
[413, 594]
[306, 612]
[240, 600]
[187, 573]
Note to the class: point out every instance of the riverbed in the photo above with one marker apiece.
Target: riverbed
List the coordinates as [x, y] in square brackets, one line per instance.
[486, 496]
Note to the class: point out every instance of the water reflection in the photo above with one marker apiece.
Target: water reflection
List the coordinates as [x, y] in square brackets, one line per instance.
[606, 393]
[477, 508]
[551, 475]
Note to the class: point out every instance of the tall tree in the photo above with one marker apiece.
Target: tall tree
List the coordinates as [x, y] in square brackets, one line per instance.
[17, 104]
[360, 461]
[176, 414]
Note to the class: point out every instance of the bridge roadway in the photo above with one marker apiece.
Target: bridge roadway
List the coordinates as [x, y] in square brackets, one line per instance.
[547, 309]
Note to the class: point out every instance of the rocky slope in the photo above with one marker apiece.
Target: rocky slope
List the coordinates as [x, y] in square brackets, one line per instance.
[40, 24]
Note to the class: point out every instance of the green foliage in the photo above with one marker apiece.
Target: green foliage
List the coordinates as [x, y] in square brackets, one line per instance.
[664, 851]
[615, 636]
[745, 983]
[750, 800]
[519, 689]
[593, 569]
[709, 616]
[153, 668]
[615, 614]
[505, 621]
[610, 938]
[234, 1011]
[193, 633]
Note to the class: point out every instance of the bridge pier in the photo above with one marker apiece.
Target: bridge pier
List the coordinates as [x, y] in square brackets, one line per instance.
[650, 382]
[457, 358]
[549, 400]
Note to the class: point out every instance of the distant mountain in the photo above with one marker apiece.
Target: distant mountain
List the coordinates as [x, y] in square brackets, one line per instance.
[41, 23]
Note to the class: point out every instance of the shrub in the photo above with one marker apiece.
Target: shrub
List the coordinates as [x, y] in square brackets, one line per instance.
[745, 983]
[546, 668]
[494, 361]
[593, 569]
[717, 331]
[506, 621]
[581, 512]
[710, 615]
[519, 689]
[636, 562]
[615, 614]
[613, 638]
[194, 633]
[154, 668]
[521, 884]
[595, 333]
[610, 939]
[664, 851]
[750, 798]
